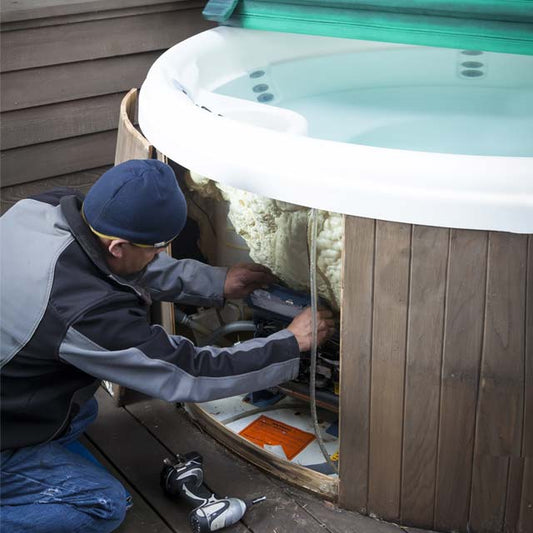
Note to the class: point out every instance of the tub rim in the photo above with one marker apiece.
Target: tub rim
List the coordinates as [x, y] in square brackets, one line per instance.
[465, 191]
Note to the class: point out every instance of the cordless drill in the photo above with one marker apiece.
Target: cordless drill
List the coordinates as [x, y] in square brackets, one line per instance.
[185, 478]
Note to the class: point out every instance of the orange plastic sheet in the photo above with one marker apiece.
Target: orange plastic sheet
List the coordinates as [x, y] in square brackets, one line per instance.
[267, 431]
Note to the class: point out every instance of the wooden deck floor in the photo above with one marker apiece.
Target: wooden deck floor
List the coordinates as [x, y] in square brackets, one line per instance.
[132, 442]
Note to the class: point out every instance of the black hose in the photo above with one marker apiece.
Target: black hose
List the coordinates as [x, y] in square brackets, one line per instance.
[233, 327]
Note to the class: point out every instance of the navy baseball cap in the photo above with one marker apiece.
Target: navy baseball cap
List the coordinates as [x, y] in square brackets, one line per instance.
[139, 201]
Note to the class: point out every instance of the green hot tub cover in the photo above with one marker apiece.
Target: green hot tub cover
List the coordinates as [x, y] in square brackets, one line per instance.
[491, 25]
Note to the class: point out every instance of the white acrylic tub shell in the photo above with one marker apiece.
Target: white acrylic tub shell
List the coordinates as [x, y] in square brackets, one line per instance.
[265, 149]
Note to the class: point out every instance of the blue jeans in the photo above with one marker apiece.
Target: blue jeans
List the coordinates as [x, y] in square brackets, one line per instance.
[50, 489]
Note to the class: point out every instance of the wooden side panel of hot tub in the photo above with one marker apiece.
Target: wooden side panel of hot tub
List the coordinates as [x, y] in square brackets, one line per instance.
[436, 378]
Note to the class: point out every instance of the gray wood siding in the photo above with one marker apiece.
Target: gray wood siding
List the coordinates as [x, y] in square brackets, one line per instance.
[435, 415]
[65, 68]
[35, 125]
[81, 181]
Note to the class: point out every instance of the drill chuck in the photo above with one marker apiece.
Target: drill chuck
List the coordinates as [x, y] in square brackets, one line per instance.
[217, 515]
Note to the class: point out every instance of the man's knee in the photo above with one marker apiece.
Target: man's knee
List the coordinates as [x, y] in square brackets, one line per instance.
[109, 506]
[99, 510]
[52, 489]
[104, 508]
[99, 506]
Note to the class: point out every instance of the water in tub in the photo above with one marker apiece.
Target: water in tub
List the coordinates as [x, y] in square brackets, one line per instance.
[416, 98]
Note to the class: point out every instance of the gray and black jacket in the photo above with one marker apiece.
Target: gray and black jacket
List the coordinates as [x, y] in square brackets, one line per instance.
[67, 322]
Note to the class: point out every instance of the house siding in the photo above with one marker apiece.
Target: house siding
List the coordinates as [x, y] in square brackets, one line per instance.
[65, 68]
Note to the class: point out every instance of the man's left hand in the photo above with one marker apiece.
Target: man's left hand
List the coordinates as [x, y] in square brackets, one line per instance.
[244, 278]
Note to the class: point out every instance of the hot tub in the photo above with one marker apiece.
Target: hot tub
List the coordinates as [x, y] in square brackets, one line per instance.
[428, 153]
[413, 134]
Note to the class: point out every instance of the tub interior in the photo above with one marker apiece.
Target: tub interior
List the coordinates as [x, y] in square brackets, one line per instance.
[413, 98]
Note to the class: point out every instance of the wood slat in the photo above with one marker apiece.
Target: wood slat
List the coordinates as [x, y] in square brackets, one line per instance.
[501, 395]
[25, 24]
[356, 347]
[391, 280]
[525, 521]
[59, 121]
[525, 524]
[130, 143]
[515, 484]
[488, 503]
[18, 10]
[61, 83]
[69, 43]
[465, 299]
[166, 313]
[429, 258]
[81, 181]
[45, 160]
[139, 457]
[527, 444]
[141, 518]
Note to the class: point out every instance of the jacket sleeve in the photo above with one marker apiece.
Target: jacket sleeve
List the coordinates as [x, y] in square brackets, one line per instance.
[118, 344]
[184, 281]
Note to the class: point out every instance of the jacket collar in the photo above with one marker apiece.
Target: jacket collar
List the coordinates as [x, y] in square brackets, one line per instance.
[70, 206]
[71, 209]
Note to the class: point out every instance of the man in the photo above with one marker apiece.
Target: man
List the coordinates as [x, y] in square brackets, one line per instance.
[78, 277]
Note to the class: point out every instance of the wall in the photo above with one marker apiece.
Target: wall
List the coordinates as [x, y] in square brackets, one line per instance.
[65, 67]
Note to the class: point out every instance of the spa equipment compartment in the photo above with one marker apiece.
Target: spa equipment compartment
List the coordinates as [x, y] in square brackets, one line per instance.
[429, 155]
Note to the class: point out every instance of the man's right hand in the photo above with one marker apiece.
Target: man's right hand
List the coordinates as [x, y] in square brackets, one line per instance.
[302, 327]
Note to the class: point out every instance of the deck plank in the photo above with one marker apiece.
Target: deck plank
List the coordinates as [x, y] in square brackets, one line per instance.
[337, 520]
[141, 518]
[132, 442]
[224, 472]
[287, 508]
[139, 458]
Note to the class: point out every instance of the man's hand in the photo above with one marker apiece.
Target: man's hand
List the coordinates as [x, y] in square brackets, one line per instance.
[244, 278]
[302, 327]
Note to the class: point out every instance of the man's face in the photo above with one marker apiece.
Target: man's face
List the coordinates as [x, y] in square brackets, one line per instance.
[138, 258]
[127, 259]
